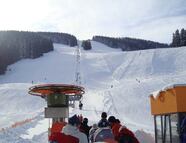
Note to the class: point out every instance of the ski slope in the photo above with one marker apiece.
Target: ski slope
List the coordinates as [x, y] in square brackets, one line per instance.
[116, 82]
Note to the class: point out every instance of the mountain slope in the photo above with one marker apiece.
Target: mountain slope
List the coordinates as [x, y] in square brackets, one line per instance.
[116, 82]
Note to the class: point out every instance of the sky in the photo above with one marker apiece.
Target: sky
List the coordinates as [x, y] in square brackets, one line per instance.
[148, 19]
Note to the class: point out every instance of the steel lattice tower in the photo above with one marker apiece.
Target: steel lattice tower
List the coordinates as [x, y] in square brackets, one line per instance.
[78, 58]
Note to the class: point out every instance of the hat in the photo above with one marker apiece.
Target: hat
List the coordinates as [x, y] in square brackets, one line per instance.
[85, 120]
[104, 115]
[112, 119]
[74, 120]
[94, 126]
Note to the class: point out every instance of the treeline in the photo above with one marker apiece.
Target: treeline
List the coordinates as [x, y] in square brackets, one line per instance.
[62, 38]
[86, 44]
[179, 38]
[129, 44]
[15, 45]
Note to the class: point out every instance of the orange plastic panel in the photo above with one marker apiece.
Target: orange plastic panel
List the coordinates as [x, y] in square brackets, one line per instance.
[171, 100]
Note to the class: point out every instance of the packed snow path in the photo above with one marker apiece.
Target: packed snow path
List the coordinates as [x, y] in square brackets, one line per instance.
[116, 82]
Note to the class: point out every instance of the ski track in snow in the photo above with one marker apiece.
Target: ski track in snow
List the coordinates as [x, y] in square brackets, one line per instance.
[116, 82]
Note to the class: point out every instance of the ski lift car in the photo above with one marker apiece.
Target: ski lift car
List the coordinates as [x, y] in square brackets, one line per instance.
[169, 110]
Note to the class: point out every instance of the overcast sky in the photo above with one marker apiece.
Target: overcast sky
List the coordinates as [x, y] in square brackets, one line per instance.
[148, 19]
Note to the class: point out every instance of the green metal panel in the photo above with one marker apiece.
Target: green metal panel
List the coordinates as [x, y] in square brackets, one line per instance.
[57, 100]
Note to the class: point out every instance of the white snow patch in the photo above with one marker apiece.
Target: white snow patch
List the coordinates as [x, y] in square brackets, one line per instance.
[41, 127]
[116, 82]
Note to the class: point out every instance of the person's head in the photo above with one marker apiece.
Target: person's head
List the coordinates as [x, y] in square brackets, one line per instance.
[118, 121]
[94, 126]
[104, 115]
[112, 120]
[74, 120]
[85, 121]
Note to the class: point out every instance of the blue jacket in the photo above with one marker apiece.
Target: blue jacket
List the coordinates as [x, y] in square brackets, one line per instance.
[103, 123]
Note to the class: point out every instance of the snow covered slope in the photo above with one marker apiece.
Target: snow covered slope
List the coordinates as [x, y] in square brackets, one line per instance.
[116, 82]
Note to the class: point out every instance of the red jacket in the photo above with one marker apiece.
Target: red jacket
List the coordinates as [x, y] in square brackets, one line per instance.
[57, 127]
[115, 130]
[62, 138]
[123, 132]
[120, 131]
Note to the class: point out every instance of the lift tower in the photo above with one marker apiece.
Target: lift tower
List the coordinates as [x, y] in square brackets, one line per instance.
[72, 99]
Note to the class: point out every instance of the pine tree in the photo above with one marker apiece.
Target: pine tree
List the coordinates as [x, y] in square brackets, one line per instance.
[177, 38]
[86, 45]
[183, 37]
[173, 40]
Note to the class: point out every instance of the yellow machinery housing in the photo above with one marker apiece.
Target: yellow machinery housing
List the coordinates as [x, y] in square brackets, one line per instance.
[169, 109]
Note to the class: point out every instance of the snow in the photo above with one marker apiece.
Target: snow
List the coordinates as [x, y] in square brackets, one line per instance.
[41, 127]
[174, 85]
[156, 93]
[116, 82]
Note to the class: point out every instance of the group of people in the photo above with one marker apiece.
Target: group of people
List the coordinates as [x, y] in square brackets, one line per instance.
[108, 130]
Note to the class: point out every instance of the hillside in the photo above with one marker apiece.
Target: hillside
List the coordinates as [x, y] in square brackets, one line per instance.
[17, 45]
[129, 44]
[116, 82]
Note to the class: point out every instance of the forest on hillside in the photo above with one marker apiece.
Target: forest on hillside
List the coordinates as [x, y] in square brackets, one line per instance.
[129, 44]
[62, 38]
[179, 38]
[17, 45]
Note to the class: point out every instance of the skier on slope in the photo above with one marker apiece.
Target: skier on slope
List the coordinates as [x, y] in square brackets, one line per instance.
[80, 105]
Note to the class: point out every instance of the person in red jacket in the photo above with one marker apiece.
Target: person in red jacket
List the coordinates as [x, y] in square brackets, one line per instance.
[57, 127]
[62, 138]
[121, 133]
[114, 126]
[126, 136]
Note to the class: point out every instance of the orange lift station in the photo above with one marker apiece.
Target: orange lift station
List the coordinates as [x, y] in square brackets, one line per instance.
[168, 107]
